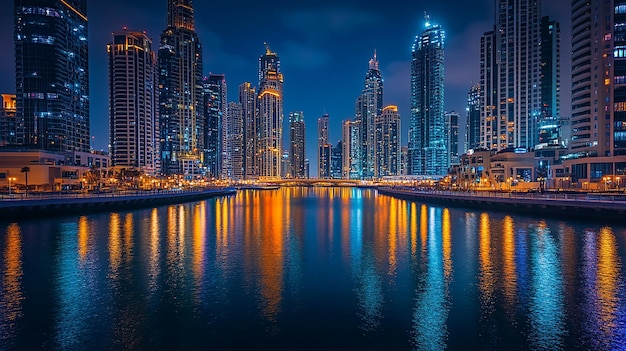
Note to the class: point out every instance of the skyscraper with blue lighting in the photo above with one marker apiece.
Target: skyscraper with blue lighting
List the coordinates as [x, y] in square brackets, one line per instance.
[369, 105]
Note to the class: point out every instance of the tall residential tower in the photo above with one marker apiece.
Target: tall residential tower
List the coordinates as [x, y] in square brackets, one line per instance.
[297, 134]
[369, 105]
[270, 116]
[52, 74]
[428, 146]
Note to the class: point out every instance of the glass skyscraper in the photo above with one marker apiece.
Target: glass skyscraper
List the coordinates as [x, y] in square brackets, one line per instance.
[369, 105]
[323, 147]
[472, 133]
[248, 101]
[214, 115]
[233, 151]
[428, 147]
[133, 101]
[388, 143]
[297, 133]
[180, 83]
[270, 115]
[52, 75]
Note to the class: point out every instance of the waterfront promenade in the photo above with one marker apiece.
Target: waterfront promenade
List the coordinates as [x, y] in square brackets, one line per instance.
[593, 206]
[39, 205]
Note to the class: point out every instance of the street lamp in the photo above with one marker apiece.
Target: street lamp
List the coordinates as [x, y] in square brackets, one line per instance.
[11, 180]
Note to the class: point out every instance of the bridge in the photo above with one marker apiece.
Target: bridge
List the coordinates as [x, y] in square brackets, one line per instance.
[315, 182]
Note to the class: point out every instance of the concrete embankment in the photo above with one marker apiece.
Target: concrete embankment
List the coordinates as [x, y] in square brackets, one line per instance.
[587, 207]
[41, 206]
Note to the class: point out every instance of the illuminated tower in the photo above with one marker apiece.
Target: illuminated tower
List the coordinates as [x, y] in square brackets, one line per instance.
[297, 143]
[52, 74]
[369, 105]
[472, 134]
[233, 146]
[270, 116]
[214, 115]
[428, 154]
[388, 143]
[452, 137]
[8, 122]
[180, 82]
[133, 101]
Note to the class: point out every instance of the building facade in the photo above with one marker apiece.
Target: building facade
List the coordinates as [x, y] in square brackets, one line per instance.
[181, 116]
[52, 75]
[336, 161]
[9, 124]
[297, 142]
[388, 143]
[270, 116]
[351, 150]
[428, 153]
[472, 132]
[233, 149]
[133, 102]
[214, 97]
[369, 105]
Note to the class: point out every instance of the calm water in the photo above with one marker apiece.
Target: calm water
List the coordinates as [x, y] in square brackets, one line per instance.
[311, 268]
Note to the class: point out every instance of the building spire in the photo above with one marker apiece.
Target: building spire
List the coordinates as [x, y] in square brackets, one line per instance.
[374, 62]
[180, 14]
[427, 18]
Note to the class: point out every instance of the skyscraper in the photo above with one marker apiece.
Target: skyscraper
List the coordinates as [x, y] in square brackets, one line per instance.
[133, 101]
[180, 81]
[214, 97]
[233, 146]
[248, 101]
[351, 150]
[336, 161]
[52, 74]
[472, 134]
[369, 105]
[452, 130]
[511, 76]
[428, 154]
[270, 115]
[297, 144]
[323, 147]
[388, 143]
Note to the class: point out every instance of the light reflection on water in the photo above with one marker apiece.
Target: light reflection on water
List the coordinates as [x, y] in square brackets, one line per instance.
[323, 268]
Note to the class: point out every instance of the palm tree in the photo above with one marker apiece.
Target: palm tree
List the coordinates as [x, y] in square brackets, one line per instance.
[25, 170]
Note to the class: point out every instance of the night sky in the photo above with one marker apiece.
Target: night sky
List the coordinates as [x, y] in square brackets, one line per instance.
[324, 47]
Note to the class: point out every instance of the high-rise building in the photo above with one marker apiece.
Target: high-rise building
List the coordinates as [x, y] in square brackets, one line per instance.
[270, 116]
[369, 105]
[182, 123]
[248, 101]
[233, 146]
[351, 150]
[388, 143]
[8, 122]
[52, 74]
[515, 67]
[472, 134]
[215, 106]
[598, 121]
[297, 134]
[336, 161]
[133, 102]
[452, 129]
[428, 154]
[323, 147]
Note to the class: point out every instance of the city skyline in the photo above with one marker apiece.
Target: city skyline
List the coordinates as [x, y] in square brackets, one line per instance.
[337, 50]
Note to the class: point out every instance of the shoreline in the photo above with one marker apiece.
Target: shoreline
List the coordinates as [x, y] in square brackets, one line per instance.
[564, 206]
[39, 207]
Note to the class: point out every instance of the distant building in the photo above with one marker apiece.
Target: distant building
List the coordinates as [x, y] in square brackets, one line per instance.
[270, 115]
[52, 75]
[336, 160]
[452, 130]
[323, 147]
[181, 114]
[133, 102]
[248, 101]
[307, 173]
[215, 106]
[297, 142]
[388, 143]
[351, 150]
[428, 153]
[9, 125]
[233, 153]
[472, 134]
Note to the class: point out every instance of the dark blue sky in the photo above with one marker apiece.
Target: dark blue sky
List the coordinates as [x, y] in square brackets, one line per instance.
[324, 47]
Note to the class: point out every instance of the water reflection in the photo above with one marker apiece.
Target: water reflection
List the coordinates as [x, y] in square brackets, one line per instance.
[12, 296]
[299, 264]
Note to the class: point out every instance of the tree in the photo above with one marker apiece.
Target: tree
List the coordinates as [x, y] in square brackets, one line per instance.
[25, 170]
